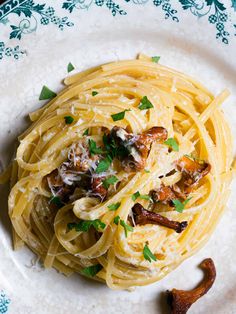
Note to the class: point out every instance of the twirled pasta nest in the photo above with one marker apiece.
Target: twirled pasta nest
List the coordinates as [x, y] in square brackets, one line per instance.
[123, 175]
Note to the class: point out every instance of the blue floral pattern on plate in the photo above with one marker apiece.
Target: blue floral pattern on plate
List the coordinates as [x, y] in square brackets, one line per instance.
[33, 14]
[4, 303]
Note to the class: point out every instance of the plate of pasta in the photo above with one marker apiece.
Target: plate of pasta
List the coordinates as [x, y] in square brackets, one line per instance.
[118, 158]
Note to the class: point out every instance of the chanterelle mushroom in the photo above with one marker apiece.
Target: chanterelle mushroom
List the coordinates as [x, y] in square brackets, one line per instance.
[192, 171]
[142, 217]
[137, 146]
[181, 300]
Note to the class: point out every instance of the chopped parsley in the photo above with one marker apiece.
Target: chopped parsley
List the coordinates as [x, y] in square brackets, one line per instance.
[104, 164]
[145, 197]
[70, 67]
[156, 59]
[91, 271]
[119, 116]
[126, 227]
[86, 132]
[145, 104]
[116, 220]
[57, 201]
[69, 119]
[109, 181]
[148, 255]
[85, 225]
[94, 93]
[93, 149]
[171, 142]
[113, 149]
[142, 196]
[114, 206]
[146, 170]
[135, 196]
[46, 93]
[179, 206]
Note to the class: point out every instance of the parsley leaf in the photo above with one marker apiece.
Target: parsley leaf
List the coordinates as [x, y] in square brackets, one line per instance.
[70, 67]
[145, 197]
[116, 220]
[114, 206]
[172, 143]
[94, 93]
[69, 119]
[85, 225]
[145, 104]
[135, 196]
[46, 93]
[109, 145]
[142, 196]
[91, 271]
[146, 170]
[119, 116]
[148, 255]
[109, 181]
[57, 201]
[179, 206]
[93, 149]
[114, 149]
[156, 59]
[104, 164]
[86, 132]
[126, 227]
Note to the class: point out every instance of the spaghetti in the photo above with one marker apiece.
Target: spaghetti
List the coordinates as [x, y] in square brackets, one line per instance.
[123, 175]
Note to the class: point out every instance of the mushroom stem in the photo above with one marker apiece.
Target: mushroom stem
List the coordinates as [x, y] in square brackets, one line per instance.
[143, 217]
[181, 300]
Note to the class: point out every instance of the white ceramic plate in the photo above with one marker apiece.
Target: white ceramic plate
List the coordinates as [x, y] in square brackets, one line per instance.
[37, 41]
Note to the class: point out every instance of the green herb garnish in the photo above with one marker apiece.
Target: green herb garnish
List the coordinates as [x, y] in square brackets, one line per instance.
[119, 116]
[145, 104]
[93, 149]
[156, 59]
[94, 93]
[148, 255]
[179, 206]
[104, 164]
[86, 132]
[57, 201]
[109, 181]
[114, 206]
[116, 220]
[69, 119]
[145, 197]
[171, 142]
[91, 271]
[146, 170]
[113, 149]
[70, 67]
[85, 225]
[46, 93]
[126, 227]
[135, 196]
[142, 196]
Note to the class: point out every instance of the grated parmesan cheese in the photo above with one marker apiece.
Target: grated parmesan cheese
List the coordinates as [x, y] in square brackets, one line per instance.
[79, 122]
[48, 137]
[21, 189]
[173, 87]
